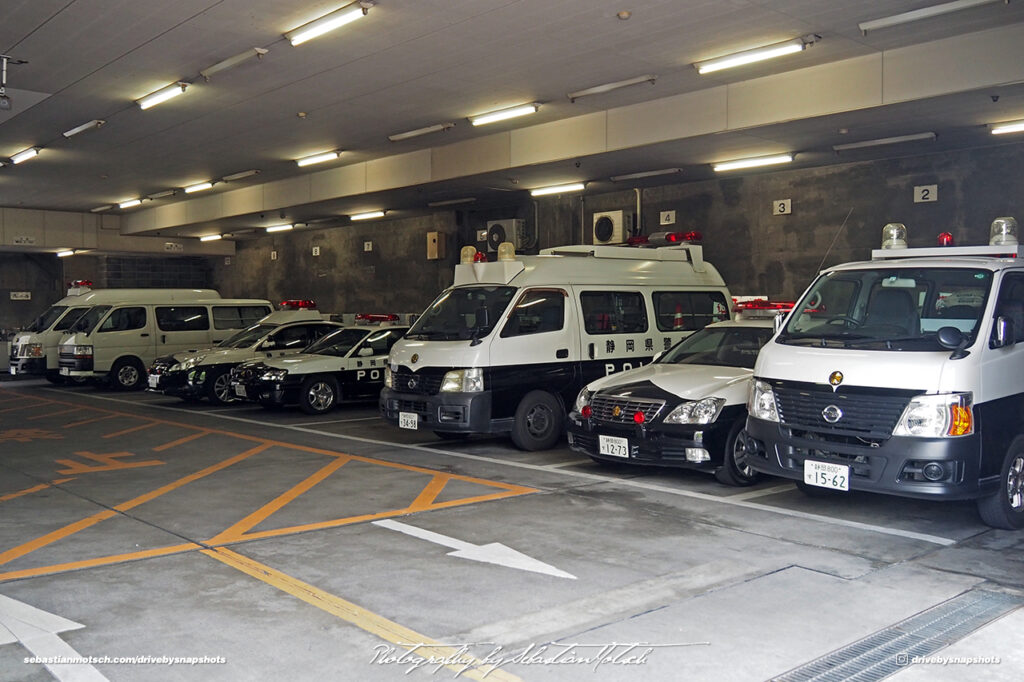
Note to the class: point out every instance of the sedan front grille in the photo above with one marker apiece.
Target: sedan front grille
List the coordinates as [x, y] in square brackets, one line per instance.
[617, 409]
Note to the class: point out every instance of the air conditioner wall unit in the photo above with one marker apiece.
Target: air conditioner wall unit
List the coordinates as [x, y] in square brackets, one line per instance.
[508, 230]
[612, 227]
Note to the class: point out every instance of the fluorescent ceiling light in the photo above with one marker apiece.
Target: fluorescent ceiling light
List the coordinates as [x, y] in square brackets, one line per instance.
[557, 189]
[451, 202]
[328, 22]
[101, 209]
[95, 123]
[162, 95]
[1007, 127]
[884, 141]
[25, 155]
[280, 228]
[753, 163]
[440, 127]
[210, 238]
[503, 114]
[367, 216]
[129, 203]
[317, 158]
[230, 62]
[757, 54]
[923, 13]
[161, 195]
[198, 187]
[645, 174]
[65, 254]
[608, 87]
[239, 176]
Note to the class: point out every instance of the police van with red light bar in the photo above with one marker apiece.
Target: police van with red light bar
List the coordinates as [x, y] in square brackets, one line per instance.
[902, 375]
[507, 348]
[205, 373]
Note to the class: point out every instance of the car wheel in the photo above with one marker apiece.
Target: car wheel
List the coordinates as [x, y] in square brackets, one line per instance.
[1005, 508]
[127, 374]
[319, 394]
[538, 421]
[218, 387]
[734, 469]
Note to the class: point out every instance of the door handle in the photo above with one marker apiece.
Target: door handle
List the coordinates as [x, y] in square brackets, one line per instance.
[143, 334]
[163, 338]
[590, 349]
[562, 353]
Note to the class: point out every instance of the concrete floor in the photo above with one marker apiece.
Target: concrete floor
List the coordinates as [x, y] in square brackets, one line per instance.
[145, 526]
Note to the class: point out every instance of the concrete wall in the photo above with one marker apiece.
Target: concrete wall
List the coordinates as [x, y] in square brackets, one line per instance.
[39, 274]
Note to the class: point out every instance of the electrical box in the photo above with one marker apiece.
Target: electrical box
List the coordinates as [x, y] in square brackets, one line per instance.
[435, 245]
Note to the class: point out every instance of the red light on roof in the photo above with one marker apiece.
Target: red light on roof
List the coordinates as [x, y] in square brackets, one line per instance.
[638, 239]
[81, 283]
[480, 257]
[638, 417]
[945, 239]
[377, 317]
[298, 304]
[763, 305]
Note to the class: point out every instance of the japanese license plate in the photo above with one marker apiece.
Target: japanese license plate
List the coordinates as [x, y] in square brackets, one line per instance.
[13, 369]
[612, 446]
[154, 379]
[826, 475]
[65, 371]
[408, 420]
[240, 391]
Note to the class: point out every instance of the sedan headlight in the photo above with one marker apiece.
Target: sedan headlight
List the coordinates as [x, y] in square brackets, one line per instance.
[274, 375]
[388, 381]
[463, 381]
[703, 411]
[937, 416]
[762, 402]
[583, 399]
[176, 367]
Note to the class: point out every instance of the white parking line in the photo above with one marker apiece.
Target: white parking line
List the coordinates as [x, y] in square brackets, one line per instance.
[762, 492]
[336, 421]
[908, 534]
[573, 463]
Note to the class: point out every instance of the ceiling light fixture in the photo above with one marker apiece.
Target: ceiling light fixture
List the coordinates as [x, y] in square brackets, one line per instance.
[161, 195]
[451, 202]
[923, 13]
[329, 22]
[101, 209]
[162, 95]
[280, 228]
[317, 158]
[25, 155]
[753, 162]
[129, 203]
[231, 62]
[241, 175]
[503, 114]
[916, 137]
[210, 238]
[95, 123]
[757, 54]
[367, 216]
[608, 87]
[557, 189]
[65, 253]
[198, 187]
[440, 127]
[645, 174]
[1007, 127]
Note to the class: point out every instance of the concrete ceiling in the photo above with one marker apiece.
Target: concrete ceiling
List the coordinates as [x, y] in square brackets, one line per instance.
[415, 63]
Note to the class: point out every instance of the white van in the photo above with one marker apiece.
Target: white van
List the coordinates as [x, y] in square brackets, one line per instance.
[116, 341]
[511, 343]
[34, 352]
[902, 375]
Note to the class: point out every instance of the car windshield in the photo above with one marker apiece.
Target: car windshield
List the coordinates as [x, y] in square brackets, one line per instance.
[337, 343]
[889, 308]
[43, 322]
[88, 321]
[247, 336]
[728, 346]
[462, 313]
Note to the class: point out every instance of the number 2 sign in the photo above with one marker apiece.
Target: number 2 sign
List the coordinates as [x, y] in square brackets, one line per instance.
[924, 193]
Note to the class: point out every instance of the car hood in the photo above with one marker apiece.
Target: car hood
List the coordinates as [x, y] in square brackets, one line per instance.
[686, 381]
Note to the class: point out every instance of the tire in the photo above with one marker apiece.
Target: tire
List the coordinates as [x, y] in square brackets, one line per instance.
[127, 374]
[734, 470]
[318, 395]
[451, 435]
[538, 421]
[1005, 508]
[54, 377]
[217, 386]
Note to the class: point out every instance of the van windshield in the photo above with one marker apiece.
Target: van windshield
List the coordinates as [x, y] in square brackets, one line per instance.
[462, 313]
[89, 319]
[247, 336]
[43, 322]
[895, 308]
[69, 318]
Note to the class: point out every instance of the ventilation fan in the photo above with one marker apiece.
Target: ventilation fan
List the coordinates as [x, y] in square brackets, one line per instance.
[509, 230]
[612, 227]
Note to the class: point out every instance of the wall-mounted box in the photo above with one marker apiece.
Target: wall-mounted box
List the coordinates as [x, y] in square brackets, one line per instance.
[435, 245]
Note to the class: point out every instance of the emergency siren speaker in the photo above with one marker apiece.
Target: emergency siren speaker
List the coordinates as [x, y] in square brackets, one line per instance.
[509, 230]
[612, 227]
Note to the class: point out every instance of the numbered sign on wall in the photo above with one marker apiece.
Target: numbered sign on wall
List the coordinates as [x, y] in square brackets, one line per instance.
[782, 207]
[923, 193]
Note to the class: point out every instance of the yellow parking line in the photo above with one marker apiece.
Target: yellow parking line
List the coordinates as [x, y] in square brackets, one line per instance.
[430, 492]
[181, 441]
[90, 420]
[54, 414]
[98, 561]
[133, 429]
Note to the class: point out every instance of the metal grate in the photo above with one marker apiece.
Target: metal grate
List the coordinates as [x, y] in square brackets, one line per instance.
[888, 651]
[604, 406]
[872, 413]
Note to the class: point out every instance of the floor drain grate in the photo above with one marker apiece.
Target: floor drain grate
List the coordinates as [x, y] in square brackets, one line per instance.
[885, 652]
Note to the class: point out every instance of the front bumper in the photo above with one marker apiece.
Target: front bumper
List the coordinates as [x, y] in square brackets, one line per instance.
[893, 467]
[446, 412]
[174, 383]
[656, 445]
[28, 366]
[267, 392]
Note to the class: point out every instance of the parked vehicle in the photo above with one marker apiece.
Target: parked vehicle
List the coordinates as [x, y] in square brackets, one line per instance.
[686, 409]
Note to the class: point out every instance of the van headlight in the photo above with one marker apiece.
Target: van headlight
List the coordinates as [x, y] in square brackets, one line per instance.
[463, 381]
[703, 411]
[32, 350]
[388, 381]
[274, 375]
[583, 399]
[762, 402]
[937, 416]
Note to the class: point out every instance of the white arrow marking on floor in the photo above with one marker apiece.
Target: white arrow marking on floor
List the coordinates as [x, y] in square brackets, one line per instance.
[37, 631]
[491, 553]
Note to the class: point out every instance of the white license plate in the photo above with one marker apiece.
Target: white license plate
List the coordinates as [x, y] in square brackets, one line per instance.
[65, 371]
[154, 379]
[408, 420]
[825, 475]
[240, 390]
[612, 446]
[13, 369]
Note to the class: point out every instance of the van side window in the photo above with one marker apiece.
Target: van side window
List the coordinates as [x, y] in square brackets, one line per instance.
[689, 310]
[1010, 304]
[537, 311]
[613, 312]
[238, 316]
[182, 319]
[124, 319]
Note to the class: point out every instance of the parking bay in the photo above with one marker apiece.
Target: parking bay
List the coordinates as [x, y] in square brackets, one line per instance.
[319, 547]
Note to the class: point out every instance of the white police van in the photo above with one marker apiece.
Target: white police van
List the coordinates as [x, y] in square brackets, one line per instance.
[509, 346]
[902, 375]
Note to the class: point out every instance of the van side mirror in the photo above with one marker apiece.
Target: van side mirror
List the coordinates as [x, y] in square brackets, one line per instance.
[657, 356]
[269, 344]
[365, 352]
[1002, 333]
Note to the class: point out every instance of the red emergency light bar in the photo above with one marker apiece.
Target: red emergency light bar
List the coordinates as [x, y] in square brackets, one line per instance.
[80, 283]
[763, 305]
[298, 304]
[667, 238]
[376, 317]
